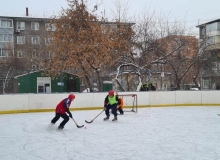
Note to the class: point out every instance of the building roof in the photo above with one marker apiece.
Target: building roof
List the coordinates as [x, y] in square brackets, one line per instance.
[26, 74]
[204, 24]
[65, 72]
[27, 18]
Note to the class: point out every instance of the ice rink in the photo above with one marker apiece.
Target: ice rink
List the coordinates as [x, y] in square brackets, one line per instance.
[169, 133]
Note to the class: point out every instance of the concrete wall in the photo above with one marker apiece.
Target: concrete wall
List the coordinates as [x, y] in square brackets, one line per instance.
[18, 103]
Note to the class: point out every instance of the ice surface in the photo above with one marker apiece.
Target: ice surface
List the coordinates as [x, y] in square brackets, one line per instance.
[171, 133]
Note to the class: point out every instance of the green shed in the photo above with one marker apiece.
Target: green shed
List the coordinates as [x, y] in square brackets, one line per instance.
[35, 82]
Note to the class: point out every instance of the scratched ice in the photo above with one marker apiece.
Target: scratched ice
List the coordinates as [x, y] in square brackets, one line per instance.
[171, 133]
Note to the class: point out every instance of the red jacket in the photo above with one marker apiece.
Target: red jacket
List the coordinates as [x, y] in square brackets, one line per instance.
[63, 106]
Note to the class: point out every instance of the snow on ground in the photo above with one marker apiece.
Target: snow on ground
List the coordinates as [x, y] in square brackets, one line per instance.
[171, 133]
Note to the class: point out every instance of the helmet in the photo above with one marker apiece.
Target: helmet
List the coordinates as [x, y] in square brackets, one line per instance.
[111, 93]
[71, 96]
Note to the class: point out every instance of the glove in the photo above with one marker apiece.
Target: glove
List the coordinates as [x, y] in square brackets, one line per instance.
[70, 115]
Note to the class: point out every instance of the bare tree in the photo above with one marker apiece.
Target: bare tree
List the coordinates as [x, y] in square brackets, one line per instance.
[7, 67]
[161, 47]
[120, 12]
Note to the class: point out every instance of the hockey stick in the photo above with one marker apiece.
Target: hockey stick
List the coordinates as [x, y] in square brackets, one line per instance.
[93, 118]
[77, 124]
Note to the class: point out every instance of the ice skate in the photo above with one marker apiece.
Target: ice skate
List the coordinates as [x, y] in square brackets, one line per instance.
[115, 119]
[60, 127]
[106, 118]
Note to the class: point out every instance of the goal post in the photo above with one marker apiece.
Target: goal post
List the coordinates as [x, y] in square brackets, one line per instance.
[130, 102]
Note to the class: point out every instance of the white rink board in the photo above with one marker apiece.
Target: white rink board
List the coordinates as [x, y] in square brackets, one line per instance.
[94, 100]
[143, 98]
[210, 97]
[42, 101]
[162, 98]
[14, 102]
[189, 97]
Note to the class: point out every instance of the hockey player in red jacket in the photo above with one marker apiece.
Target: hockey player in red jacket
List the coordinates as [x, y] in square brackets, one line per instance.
[61, 110]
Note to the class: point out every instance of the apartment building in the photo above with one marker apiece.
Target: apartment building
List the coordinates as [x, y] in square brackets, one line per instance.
[23, 42]
[209, 39]
[26, 37]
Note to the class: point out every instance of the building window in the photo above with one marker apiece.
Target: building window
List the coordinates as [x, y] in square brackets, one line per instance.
[34, 26]
[35, 40]
[6, 37]
[215, 66]
[50, 27]
[48, 40]
[20, 39]
[20, 54]
[34, 54]
[211, 27]
[6, 23]
[3, 53]
[48, 55]
[21, 25]
[40, 88]
[217, 39]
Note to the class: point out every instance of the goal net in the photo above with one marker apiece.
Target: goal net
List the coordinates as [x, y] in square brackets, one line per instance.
[130, 102]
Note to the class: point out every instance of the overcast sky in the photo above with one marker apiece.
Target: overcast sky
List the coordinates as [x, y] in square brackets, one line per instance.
[193, 12]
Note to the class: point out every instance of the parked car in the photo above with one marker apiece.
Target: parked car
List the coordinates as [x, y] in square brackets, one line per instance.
[194, 89]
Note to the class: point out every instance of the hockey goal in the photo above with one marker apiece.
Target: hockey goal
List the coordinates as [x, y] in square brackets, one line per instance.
[130, 102]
